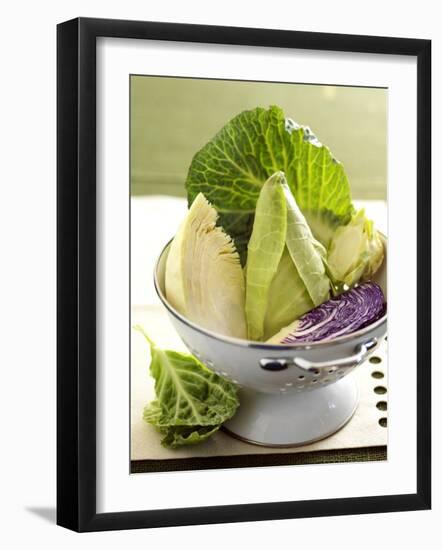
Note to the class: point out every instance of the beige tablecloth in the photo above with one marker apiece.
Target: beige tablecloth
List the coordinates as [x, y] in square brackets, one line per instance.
[363, 430]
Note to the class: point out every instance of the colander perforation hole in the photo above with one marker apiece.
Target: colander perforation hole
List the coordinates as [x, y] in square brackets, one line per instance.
[383, 422]
[301, 377]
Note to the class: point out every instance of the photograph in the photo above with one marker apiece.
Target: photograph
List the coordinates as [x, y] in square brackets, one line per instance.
[219, 317]
[258, 273]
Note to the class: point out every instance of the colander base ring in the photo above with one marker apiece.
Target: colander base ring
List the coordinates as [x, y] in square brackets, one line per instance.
[295, 419]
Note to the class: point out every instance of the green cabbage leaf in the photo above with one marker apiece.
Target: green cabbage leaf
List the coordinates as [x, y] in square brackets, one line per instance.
[231, 169]
[192, 402]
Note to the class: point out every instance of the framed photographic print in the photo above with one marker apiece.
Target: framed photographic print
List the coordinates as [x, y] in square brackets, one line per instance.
[232, 205]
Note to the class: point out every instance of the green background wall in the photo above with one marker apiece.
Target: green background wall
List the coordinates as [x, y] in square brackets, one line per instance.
[172, 118]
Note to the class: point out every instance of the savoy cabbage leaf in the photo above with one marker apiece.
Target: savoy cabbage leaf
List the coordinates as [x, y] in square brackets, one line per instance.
[191, 401]
[232, 168]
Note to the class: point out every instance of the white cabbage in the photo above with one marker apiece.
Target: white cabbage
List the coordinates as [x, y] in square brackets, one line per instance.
[204, 278]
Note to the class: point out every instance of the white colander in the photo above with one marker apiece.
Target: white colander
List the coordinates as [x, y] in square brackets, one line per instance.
[290, 395]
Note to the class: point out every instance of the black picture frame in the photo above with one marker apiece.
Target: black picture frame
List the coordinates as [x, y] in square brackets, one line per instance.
[76, 273]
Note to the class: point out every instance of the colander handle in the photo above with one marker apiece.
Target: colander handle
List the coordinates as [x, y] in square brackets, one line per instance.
[362, 351]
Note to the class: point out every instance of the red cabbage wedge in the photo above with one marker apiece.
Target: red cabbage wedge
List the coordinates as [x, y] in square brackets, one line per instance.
[344, 314]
